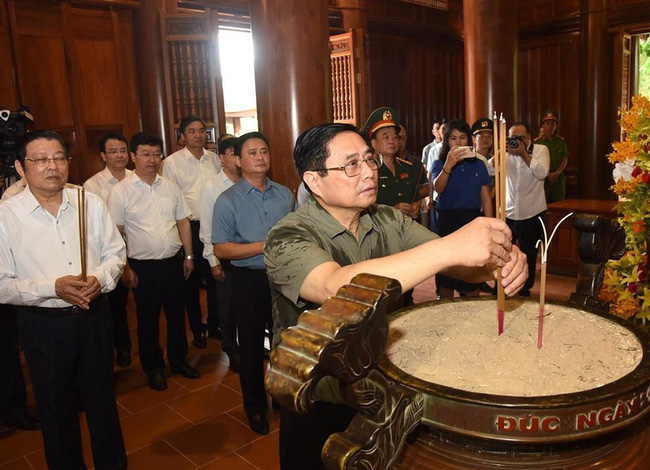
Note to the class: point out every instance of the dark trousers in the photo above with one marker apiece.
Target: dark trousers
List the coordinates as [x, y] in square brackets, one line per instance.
[252, 303]
[71, 358]
[12, 382]
[193, 284]
[227, 317]
[302, 437]
[117, 299]
[527, 232]
[160, 284]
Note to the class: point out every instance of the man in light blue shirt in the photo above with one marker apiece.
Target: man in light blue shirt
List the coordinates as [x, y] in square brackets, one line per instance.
[243, 216]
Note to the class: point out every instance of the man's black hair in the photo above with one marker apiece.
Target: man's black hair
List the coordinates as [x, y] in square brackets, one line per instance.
[251, 135]
[312, 147]
[111, 135]
[145, 138]
[41, 134]
[226, 144]
[187, 120]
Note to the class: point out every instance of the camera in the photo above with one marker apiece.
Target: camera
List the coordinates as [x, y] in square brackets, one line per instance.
[513, 142]
[13, 128]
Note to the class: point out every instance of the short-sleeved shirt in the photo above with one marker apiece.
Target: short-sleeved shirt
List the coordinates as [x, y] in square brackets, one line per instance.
[211, 192]
[191, 174]
[244, 214]
[149, 215]
[463, 189]
[557, 149]
[102, 182]
[403, 185]
[309, 237]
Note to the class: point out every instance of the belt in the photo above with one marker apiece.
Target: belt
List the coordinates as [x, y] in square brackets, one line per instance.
[73, 311]
[171, 259]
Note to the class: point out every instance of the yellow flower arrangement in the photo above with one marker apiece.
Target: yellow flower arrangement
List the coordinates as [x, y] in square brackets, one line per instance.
[626, 284]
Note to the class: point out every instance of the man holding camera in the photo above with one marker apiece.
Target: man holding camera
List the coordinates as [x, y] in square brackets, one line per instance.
[527, 165]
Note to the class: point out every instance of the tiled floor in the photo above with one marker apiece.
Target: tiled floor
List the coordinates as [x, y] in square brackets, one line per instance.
[194, 424]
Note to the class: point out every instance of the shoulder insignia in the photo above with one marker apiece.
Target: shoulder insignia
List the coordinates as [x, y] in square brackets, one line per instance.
[402, 160]
[559, 136]
[539, 137]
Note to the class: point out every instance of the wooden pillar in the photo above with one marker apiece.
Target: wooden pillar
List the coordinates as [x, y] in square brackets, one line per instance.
[292, 75]
[151, 75]
[354, 14]
[490, 28]
[594, 177]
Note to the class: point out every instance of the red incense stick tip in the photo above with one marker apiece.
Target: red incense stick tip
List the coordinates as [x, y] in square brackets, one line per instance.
[501, 318]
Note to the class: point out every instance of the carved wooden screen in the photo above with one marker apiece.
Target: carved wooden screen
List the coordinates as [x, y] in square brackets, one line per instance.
[190, 67]
[344, 79]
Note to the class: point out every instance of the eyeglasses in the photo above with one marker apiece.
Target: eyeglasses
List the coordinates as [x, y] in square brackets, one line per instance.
[117, 151]
[353, 167]
[59, 160]
[150, 155]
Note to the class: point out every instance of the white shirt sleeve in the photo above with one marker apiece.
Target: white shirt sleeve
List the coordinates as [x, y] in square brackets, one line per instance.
[541, 162]
[205, 233]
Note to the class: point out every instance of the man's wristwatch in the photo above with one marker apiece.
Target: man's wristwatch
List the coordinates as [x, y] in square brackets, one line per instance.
[189, 257]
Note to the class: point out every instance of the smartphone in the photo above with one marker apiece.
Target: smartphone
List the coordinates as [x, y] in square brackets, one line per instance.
[470, 152]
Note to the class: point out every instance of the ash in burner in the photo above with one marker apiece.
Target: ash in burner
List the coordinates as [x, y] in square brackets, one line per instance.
[456, 344]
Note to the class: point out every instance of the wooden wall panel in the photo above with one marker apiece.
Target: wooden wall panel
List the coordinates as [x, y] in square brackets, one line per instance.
[549, 77]
[44, 80]
[546, 10]
[8, 91]
[100, 86]
[422, 80]
[76, 70]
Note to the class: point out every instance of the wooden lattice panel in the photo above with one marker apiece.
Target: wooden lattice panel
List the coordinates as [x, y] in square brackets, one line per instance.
[344, 92]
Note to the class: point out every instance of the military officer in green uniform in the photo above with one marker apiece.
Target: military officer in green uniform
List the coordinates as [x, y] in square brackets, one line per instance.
[402, 182]
[554, 186]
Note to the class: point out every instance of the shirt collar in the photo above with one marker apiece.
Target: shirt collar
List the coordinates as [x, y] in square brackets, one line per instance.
[188, 155]
[332, 227]
[108, 176]
[138, 180]
[247, 187]
[30, 203]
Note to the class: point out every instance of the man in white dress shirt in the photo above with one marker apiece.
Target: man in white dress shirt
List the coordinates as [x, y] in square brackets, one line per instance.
[221, 270]
[151, 212]
[190, 168]
[65, 322]
[113, 149]
[526, 168]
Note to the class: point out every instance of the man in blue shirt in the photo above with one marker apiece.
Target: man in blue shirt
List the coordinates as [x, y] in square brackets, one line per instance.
[243, 216]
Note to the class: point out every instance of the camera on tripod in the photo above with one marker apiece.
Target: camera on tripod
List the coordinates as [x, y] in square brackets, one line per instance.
[13, 128]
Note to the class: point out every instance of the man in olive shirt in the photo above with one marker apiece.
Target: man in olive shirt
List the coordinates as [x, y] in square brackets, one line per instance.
[402, 182]
[554, 186]
[340, 232]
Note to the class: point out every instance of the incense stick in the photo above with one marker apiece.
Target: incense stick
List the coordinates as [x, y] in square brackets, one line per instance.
[81, 210]
[542, 291]
[500, 186]
[542, 296]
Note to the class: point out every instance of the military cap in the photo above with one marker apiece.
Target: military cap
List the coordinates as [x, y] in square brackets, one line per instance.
[380, 118]
[549, 115]
[482, 124]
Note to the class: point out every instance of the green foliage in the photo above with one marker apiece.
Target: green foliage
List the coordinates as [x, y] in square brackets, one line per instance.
[644, 66]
